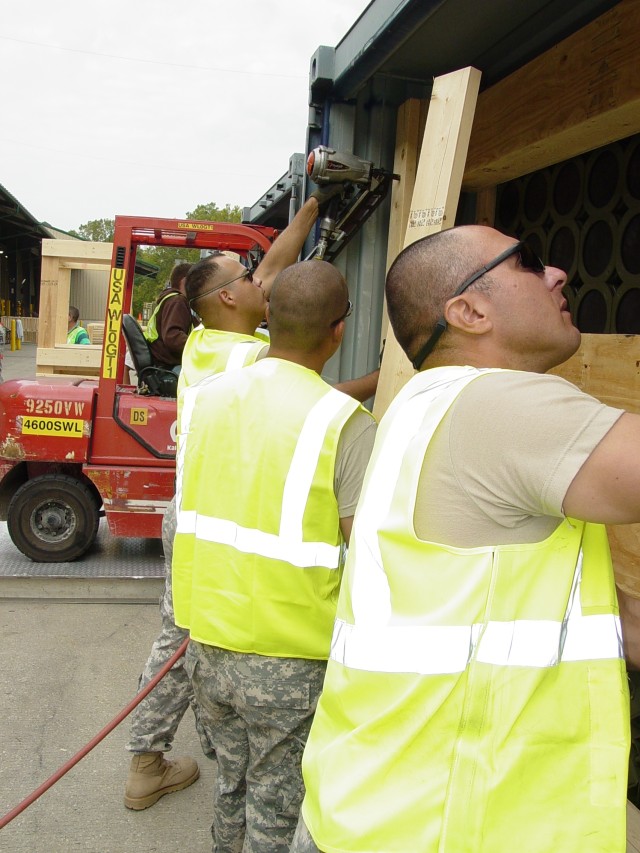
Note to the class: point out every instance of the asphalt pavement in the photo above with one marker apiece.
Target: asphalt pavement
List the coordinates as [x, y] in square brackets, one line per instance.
[74, 638]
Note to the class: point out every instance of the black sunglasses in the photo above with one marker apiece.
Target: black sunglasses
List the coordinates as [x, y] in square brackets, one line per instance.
[529, 260]
[246, 274]
[346, 314]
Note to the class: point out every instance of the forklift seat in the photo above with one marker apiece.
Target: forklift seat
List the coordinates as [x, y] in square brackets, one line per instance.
[152, 380]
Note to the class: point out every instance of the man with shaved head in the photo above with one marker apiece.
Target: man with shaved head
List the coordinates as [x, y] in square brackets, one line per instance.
[476, 695]
[231, 301]
[269, 472]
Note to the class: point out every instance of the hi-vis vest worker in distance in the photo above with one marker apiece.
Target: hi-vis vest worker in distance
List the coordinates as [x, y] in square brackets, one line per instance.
[476, 696]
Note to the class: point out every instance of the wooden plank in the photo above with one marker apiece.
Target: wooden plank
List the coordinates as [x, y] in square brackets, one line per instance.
[435, 197]
[580, 95]
[80, 265]
[410, 123]
[77, 250]
[69, 355]
[608, 367]
[53, 309]
[633, 828]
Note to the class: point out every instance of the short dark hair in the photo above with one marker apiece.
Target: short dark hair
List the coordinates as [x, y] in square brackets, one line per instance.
[306, 300]
[74, 313]
[178, 273]
[200, 275]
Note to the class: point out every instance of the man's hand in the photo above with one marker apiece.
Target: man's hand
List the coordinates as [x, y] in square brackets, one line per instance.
[323, 195]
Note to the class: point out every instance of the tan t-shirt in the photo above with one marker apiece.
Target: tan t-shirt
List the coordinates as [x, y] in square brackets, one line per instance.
[501, 461]
[354, 449]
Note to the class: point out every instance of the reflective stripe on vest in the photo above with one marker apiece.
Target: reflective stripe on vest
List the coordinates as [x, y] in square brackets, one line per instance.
[239, 355]
[288, 545]
[440, 649]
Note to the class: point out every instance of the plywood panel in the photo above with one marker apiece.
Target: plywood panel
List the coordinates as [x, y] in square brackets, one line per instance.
[412, 116]
[436, 192]
[580, 95]
[77, 250]
[608, 367]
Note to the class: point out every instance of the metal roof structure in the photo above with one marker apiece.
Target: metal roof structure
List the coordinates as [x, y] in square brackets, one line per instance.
[19, 229]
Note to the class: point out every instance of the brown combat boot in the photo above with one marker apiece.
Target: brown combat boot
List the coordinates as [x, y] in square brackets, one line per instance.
[151, 776]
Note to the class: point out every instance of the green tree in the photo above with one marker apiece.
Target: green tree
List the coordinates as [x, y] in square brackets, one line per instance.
[212, 213]
[98, 230]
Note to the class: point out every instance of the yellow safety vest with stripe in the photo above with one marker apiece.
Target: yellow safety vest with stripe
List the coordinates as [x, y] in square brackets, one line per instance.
[151, 332]
[257, 558]
[475, 699]
[209, 351]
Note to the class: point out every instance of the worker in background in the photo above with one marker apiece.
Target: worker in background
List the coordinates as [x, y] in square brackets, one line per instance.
[75, 332]
[155, 720]
[476, 696]
[258, 552]
[171, 321]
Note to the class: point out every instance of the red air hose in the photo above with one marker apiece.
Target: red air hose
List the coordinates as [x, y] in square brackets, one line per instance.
[96, 740]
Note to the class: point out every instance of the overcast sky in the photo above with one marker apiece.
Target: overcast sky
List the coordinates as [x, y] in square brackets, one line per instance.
[151, 107]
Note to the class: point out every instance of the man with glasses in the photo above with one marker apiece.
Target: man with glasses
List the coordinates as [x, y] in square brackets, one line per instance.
[476, 695]
[270, 466]
[231, 301]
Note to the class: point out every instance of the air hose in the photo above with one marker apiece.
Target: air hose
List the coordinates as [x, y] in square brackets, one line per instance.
[95, 740]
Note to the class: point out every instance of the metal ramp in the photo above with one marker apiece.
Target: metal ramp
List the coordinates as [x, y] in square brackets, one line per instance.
[115, 570]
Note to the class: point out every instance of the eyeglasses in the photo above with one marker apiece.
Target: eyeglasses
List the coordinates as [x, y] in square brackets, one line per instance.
[346, 314]
[246, 274]
[528, 261]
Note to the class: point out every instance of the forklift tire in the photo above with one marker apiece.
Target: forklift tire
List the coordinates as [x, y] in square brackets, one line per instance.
[53, 518]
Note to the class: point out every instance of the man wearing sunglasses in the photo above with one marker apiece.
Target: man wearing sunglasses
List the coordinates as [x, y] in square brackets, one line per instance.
[476, 694]
[230, 299]
[270, 466]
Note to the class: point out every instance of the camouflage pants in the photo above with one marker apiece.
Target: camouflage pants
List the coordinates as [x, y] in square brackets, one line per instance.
[256, 712]
[302, 841]
[155, 720]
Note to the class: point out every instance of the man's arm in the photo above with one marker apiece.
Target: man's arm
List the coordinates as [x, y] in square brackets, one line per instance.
[83, 337]
[345, 526]
[362, 388]
[288, 245]
[606, 489]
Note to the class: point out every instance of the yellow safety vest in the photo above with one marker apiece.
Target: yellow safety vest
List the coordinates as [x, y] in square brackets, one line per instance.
[476, 698]
[257, 558]
[151, 332]
[209, 351]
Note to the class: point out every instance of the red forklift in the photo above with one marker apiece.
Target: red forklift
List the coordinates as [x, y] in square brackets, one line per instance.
[73, 452]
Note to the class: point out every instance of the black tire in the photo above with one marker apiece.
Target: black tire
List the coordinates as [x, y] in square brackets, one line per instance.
[53, 518]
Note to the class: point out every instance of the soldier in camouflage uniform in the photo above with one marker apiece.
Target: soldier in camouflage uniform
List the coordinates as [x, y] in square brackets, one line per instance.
[155, 720]
[260, 615]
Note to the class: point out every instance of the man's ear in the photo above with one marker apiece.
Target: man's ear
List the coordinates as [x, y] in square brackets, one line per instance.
[468, 312]
[337, 332]
[227, 297]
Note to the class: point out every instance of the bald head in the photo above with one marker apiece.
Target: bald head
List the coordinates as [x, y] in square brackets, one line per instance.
[423, 278]
[307, 300]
